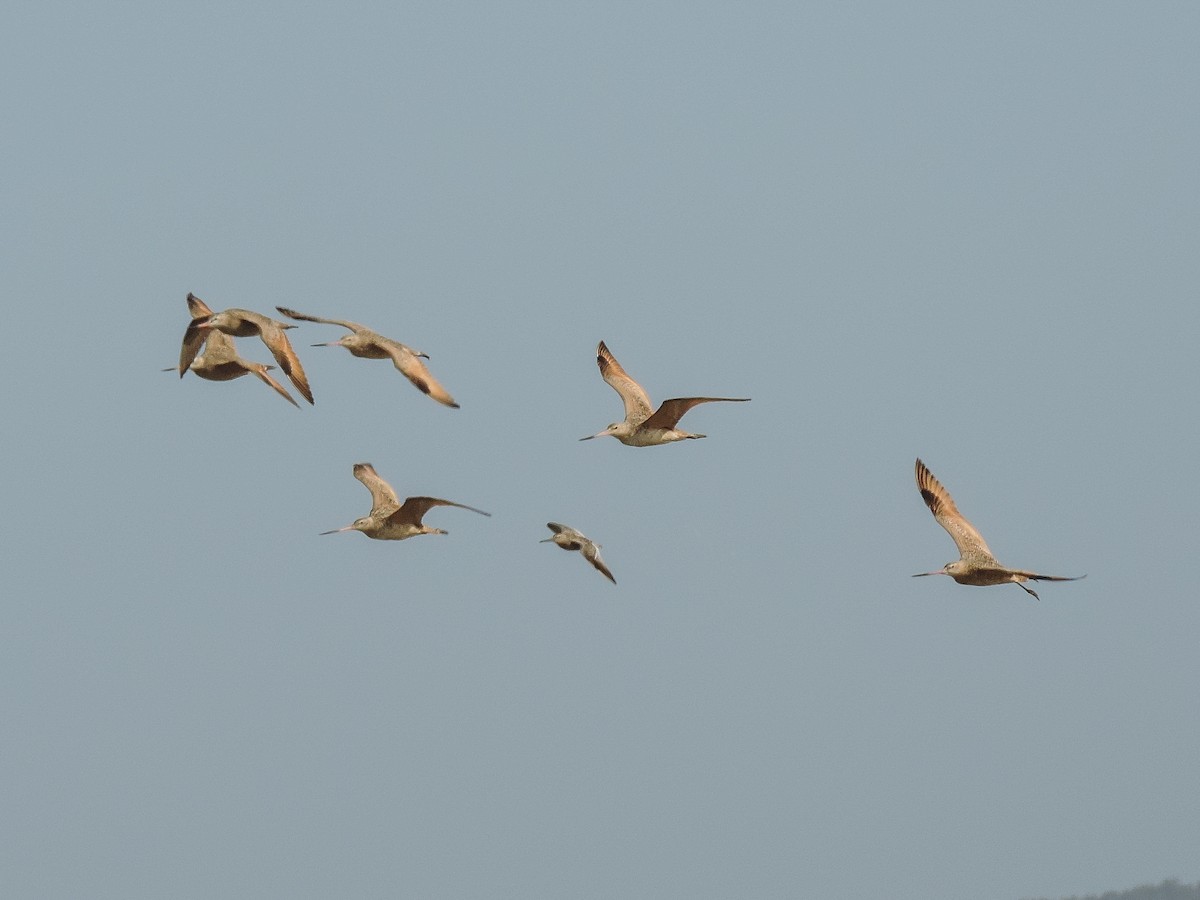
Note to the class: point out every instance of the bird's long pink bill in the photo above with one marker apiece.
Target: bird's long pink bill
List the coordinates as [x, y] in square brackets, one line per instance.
[338, 530]
[938, 572]
[596, 435]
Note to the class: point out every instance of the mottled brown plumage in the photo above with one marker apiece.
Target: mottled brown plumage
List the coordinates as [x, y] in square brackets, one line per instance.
[243, 323]
[367, 344]
[569, 539]
[390, 520]
[976, 564]
[219, 360]
[641, 427]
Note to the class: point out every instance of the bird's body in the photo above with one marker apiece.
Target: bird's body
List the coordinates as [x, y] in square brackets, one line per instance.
[367, 344]
[243, 323]
[219, 361]
[976, 564]
[644, 426]
[570, 539]
[389, 519]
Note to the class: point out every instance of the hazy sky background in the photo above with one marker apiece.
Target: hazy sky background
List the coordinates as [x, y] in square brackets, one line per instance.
[957, 231]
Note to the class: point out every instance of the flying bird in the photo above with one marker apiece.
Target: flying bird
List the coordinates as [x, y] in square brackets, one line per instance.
[389, 519]
[976, 564]
[219, 360]
[570, 539]
[641, 428]
[368, 344]
[243, 323]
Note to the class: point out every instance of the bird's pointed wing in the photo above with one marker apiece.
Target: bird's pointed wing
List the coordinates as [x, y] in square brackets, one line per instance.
[383, 499]
[193, 340]
[261, 372]
[414, 369]
[671, 411]
[281, 348]
[292, 314]
[592, 554]
[635, 398]
[414, 508]
[197, 307]
[969, 541]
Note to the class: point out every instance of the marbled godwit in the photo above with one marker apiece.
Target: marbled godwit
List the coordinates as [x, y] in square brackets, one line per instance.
[640, 428]
[244, 323]
[389, 519]
[220, 361]
[570, 539]
[368, 344]
[976, 564]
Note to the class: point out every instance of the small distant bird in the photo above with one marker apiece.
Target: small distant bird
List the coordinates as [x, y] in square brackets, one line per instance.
[976, 564]
[640, 428]
[389, 519]
[244, 323]
[367, 344]
[570, 539]
[219, 360]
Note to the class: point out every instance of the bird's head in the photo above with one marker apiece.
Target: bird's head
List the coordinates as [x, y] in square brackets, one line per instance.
[361, 524]
[338, 343]
[944, 570]
[612, 429]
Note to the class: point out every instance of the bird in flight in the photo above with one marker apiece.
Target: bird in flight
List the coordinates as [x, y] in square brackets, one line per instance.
[976, 564]
[243, 323]
[643, 425]
[389, 519]
[367, 344]
[219, 360]
[570, 539]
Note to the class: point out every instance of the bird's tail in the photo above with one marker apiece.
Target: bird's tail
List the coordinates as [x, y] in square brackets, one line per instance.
[1034, 576]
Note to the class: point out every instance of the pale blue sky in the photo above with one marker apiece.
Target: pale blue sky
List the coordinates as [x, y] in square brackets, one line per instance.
[962, 232]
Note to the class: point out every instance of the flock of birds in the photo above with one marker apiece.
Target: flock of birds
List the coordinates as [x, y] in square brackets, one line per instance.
[643, 426]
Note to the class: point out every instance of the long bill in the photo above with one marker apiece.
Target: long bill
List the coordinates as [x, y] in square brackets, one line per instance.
[938, 572]
[338, 530]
